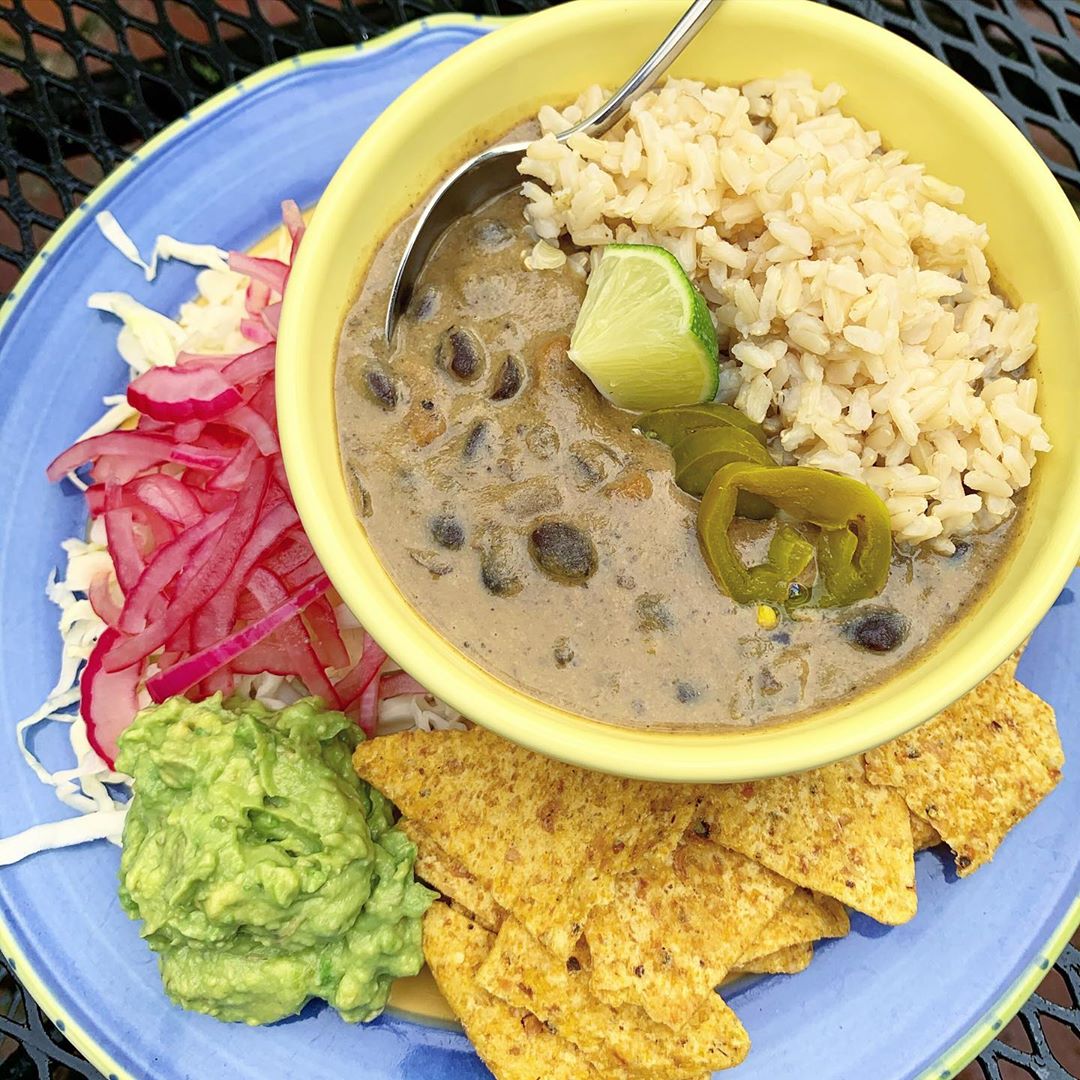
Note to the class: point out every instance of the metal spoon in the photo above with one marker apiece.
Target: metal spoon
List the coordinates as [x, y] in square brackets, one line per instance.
[494, 171]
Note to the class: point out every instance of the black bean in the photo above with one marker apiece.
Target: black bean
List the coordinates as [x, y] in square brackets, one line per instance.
[511, 376]
[500, 564]
[493, 235]
[782, 637]
[876, 630]
[460, 352]
[381, 388]
[446, 530]
[563, 551]
[498, 575]
[592, 462]
[475, 441]
[686, 692]
[426, 305]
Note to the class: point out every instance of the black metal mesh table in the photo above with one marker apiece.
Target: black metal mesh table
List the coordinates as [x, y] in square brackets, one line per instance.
[84, 82]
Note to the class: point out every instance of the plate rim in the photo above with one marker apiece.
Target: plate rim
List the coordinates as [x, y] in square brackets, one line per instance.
[951, 1060]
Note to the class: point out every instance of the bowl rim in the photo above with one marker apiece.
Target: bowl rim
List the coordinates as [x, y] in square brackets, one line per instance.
[720, 755]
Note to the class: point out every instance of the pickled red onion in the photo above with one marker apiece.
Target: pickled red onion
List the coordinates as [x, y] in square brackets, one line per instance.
[219, 579]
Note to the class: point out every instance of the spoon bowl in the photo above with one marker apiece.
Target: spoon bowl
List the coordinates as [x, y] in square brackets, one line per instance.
[494, 171]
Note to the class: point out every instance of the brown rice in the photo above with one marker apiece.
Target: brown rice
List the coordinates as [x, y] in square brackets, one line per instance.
[853, 296]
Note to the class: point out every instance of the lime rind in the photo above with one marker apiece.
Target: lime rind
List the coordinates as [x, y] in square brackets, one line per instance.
[644, 335]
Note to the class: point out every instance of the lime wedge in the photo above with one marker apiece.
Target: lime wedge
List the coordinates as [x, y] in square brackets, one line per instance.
[643, 335]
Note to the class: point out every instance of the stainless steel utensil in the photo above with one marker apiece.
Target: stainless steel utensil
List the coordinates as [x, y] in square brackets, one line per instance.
[494, 171]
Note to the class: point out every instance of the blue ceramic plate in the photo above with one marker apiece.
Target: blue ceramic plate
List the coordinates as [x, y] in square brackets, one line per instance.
[892, 1004]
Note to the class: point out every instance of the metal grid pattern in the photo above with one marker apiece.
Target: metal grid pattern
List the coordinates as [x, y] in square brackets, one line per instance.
[84, 82]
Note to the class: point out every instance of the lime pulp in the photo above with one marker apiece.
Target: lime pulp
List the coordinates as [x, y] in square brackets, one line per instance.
[644, 335]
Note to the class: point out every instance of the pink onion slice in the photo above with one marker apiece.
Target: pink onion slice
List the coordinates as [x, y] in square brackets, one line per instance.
[255, 330]
[246, 419]
[218, 360]
[124, 547]
[169, 497]
[200, 665]
[175, 394]
[269, 592]
[271, 317]
[213, 573]
[325, 638]
[141, 450]
[101, 600]
[256, 297]
[357, 681]
[249, 366]
[235, 474]
[190, 431]
[399, 682]
[217, 617]
[270, 272]
[109, 699]
[368, 711]
[164, 566]
[199, 457]
[294, 552]
[294, 222]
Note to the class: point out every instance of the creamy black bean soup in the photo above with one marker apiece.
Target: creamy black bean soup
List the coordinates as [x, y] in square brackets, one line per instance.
[529, 523]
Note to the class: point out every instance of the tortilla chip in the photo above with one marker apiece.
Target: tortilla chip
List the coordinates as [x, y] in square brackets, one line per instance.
[451, 879]
[977, 768]
[923, 834]
[513, 1043]
[546, 838]
[522, 972]
[829, 830]
[671, 933]
[804, 917]
[788, 961]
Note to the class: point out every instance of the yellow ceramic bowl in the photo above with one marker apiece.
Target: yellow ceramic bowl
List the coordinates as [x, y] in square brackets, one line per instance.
[917, 104]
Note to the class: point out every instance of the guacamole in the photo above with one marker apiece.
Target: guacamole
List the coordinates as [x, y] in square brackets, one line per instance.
[264, 871]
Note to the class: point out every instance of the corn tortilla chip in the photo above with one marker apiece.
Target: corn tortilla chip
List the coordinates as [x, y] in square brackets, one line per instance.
[829, 830]
[804, 917]
[545, 837]
[451, 879]
[923, 834]
[977, 768]
[522, 972]
[513, 1043]
[671, 933]
[788, 961]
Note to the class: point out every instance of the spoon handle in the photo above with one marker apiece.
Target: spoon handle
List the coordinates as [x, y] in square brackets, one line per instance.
[616, 107]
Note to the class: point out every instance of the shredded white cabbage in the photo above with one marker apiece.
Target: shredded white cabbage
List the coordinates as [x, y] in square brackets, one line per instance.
[147, 338]
[82, 787]
[165, 247]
